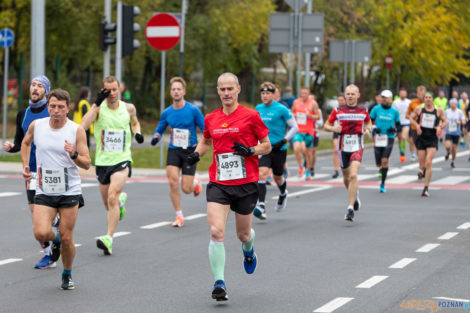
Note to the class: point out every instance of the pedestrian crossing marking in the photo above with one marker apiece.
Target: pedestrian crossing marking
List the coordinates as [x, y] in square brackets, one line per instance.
[450, 180]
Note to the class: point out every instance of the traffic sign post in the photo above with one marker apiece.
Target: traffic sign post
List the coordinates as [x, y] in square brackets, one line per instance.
[162, 32]
[6, 40]
[388, 64]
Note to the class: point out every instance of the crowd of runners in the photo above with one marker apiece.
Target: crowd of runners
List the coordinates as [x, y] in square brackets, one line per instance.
[249, 150]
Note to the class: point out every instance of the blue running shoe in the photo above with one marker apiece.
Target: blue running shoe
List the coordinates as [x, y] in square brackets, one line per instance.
[382, 188]
[260, 212]
[45, 263]
[219, 292]
[250, 260]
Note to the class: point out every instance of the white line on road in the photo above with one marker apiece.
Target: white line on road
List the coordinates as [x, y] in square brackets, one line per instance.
[452, 299]
[448, 236]
[298, 193]
[464, 226]
[195, 216]
[155, 225]
[78, 245]
[451, 180]
[371, 282]
[428, 247]
[89, 185]
[402, 263]
[333, 305]
[9, 194]
[118, 234]
[7, 261]
[402, 179]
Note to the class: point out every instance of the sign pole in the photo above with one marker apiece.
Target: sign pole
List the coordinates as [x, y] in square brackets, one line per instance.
[291, 48]
[5, 91]
[345, 79]
[299, 52]
[307, 55]
[162, 101]
[107, 53]
[353, 57]
[118, 60]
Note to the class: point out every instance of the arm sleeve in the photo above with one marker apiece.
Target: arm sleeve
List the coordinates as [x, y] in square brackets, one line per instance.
[19, 135]
[293, 128]
[162, 125]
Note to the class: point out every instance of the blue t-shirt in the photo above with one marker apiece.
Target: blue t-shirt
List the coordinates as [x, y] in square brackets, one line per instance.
[385, 118]
[29, 117]
[275, 117]
[186, 118]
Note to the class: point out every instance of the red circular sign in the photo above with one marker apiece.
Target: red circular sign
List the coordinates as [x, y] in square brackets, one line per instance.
[163, 31]
[389, 61]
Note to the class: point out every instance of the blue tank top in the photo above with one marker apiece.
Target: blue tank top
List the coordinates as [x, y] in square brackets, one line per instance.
[29, 117]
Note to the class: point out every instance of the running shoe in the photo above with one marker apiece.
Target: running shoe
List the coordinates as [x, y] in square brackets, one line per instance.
[45, 262]
[281, 202]
[357, 203]
[55, 251]
[269, 180]
[249, 261]
[414, 157]
[285, 172]
[67, 282]
[219, 292]
[198, 189]
[179, 221]
[260, 212]
[301, 171]
[349, 215]
[402, 158]
[122, 203]
[335, 174]
[56, 221]
[452, 164]
[307, 175]
[447, 156]
[425, 192]
[382, 188]
[105, 244]
[421, 174]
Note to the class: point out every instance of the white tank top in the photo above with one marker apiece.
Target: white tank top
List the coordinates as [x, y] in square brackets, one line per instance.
[57, 173]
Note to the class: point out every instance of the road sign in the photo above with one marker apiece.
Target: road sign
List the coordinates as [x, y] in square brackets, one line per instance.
[389, 61]
[312, 33]
[6, 37]
[300, 4]
[341, 50]
[163, 31]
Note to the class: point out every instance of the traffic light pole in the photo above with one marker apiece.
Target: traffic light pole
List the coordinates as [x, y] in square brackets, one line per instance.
[5, 94]
[308, 55]
[107, 53]
[118, 60]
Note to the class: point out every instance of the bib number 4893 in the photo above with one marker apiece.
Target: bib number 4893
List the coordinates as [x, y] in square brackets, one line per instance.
[230, 166]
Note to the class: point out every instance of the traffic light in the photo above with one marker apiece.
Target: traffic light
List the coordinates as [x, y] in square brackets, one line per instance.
[104, 39]
[129, 28]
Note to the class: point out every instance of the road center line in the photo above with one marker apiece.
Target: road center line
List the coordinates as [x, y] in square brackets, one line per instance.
[7, 261]
[371, 282]
[402, 263]
[195, 216]
[452, 299]
[118, 234]
[9, 194]
[428, 247]
[448, 236]
[333, 305]
[464, 226]
[155, 225]
[298, 193]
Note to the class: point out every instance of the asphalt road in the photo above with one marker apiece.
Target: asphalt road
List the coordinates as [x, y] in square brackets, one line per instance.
[310, 259]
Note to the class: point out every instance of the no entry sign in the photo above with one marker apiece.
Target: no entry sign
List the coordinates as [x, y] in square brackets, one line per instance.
[163, 31]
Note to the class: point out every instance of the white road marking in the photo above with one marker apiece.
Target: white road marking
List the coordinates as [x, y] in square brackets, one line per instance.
[78, 245]
[428, 247]
[461, 170]
[7, 261]
[464, 226]
[89, 185]
[451, 180]
[367, 176]
[333, 305]
[452, 299]
[402, 179]
[371, 282]
[155, 225]
[195, 216]
[118, 234]
[9, 194]
[402, 263]
[448, 236]
[298, 193]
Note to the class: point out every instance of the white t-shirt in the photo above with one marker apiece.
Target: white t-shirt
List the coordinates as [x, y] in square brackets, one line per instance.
[402, 107]
[452, 117]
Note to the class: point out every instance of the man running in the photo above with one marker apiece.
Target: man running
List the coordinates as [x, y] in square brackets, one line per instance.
[354, 123]
[38, 92]
[401, 104]
[277, 118]
[429, 123]
[113, 152]
[234, 131]
[61, 148]
[387, 122]
[455, 125]
[341, 102]
[420, 91]
[182, 117]
[305, 112]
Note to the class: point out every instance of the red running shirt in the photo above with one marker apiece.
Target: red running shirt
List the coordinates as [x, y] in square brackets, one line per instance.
[300, 109]
[352, 121]
[244, 126]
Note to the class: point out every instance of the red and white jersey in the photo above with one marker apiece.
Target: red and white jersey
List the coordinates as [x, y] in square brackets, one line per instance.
[352, 120]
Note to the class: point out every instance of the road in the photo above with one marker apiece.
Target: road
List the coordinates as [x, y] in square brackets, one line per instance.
[401, 247]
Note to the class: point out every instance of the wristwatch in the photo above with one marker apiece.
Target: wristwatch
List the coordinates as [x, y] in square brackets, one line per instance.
[74, 156]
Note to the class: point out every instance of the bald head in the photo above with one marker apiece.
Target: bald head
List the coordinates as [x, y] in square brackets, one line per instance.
[226, 76]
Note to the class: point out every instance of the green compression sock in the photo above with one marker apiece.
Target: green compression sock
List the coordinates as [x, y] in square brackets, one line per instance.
[249, 244]
[217, 259]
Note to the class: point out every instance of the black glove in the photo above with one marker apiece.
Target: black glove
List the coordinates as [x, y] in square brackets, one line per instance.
[241, 149]
[103, 94]
[192, 158]
[279, 145]
[155, 140]
[139, 138]
[392, 130]
[376, 131]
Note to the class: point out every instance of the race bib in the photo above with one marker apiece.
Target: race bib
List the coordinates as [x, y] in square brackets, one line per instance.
[428, 120]
[230, 166]
[31, 184]
[53, 180]
[351, 143]
[180, 137]
[301, 118]
[113, 140]
[381, 140]
[453, 127]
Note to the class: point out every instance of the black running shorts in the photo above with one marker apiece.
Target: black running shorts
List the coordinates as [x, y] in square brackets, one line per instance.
[422, 143]
[316, 140]
[275, 160]
[177, 157]
[241, 198]
[345, 158]
[454, 138]
[335, 135]
[383, 152]
[104, 173]
[59, 202]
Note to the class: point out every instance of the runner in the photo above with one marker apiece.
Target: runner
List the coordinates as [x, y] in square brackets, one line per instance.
[420, 90]
[182, 117]
[38, 92]
[277, 118]
[234, 132]
[61, 149]
[354, 122]
[113, 152]
[341, 102]
[387, 122]
[429, 123]
[305, 112]
[401, 104]
[455, 124]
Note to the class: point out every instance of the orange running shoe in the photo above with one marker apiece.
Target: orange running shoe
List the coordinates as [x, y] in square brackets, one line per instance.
[179, 221]
[402, 158]
[198, 189]
[301, 171]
